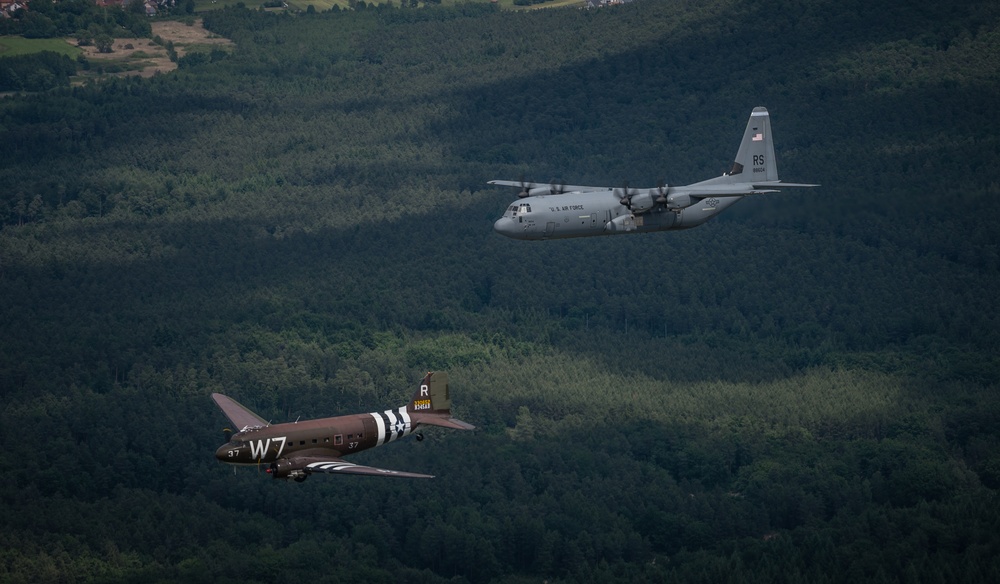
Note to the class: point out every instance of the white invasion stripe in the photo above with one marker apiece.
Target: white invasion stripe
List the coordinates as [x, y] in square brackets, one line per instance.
[380, 426]
[392, 425]
[330, 465]
[406, 420]
[401, 425]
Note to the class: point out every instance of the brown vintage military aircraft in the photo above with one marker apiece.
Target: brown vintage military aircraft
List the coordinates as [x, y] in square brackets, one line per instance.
[297, 449]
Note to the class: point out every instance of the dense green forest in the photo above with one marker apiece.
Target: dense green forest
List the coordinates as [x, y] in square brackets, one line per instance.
[36, 72]
[804, 390]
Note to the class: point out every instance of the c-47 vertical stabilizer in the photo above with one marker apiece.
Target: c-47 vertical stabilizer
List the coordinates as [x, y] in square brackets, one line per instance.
[431, 404]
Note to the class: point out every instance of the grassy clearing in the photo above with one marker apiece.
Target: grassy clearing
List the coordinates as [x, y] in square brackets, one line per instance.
[509, 4]
[319, 5]
[203, 47]
[821, 400]
[322, 5]
[567, 390]
[11, 46]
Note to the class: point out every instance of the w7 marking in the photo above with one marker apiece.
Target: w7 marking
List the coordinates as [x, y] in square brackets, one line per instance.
[259, 448]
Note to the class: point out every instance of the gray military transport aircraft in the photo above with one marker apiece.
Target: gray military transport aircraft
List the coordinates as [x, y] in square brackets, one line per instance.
[554, 211]
[298, 449]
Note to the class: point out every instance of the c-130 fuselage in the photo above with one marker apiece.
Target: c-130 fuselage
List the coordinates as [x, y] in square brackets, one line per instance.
[565, 211]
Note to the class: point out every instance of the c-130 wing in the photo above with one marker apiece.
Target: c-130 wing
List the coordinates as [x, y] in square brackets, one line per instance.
[551, 189]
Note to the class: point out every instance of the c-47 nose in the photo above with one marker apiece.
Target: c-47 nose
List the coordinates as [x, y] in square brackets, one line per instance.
[223, 452]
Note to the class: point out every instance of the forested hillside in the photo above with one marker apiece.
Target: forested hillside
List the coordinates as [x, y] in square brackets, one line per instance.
[803, 390]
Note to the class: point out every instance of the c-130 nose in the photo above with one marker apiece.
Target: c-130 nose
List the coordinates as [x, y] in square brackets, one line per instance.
[505, 226]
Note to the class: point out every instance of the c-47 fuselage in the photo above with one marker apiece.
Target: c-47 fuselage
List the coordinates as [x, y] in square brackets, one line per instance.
[336, 436]
[297, 449]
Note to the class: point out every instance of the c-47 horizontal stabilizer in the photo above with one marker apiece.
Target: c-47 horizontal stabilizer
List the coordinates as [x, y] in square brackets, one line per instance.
[444, 422]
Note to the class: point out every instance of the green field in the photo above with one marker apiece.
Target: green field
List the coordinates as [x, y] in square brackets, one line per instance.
[322, 5]
[11, 46]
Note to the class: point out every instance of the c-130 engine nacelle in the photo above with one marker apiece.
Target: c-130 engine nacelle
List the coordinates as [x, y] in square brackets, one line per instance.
[636, 202]
[679, 201]
[641, 202]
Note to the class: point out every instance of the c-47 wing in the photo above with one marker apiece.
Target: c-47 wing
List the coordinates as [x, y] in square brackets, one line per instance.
[338, 466]
[238, 414]
[548, 188]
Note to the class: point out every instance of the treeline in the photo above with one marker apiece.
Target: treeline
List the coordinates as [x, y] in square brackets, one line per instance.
[70, 18]
[803, 390]
[36, 72]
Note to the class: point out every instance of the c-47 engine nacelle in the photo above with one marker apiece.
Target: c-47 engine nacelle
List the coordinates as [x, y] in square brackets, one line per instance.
[288, 469]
